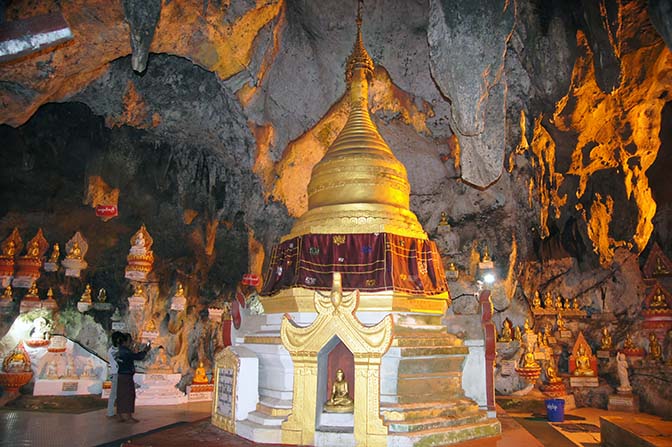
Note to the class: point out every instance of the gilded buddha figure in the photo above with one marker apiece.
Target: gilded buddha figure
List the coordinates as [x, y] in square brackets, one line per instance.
[33, 250]
[536, 301]
[507, 331]
[606, 339]
[548, 300]
[55, 254]
[340, 401]
[628, 343]
[655, 350]
[9, 249]
[560, 322]
[75, 252]
[582, 363]
[86, 296]
[658, 301]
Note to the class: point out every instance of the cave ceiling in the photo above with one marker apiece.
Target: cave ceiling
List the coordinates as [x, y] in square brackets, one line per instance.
[547, 113]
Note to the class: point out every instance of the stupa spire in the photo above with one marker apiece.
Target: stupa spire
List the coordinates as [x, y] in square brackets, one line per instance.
[359, 186]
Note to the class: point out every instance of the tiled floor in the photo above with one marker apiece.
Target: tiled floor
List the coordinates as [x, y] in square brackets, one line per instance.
[30, 428]
[186, 425]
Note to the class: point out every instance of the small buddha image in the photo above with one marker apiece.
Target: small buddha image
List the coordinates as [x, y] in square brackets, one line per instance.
[552, 373]
[33, 250]
[55, 254]
[102, 295]
[75, 252]
[517, 335]
[86, 296]
[658, 301]
[582, 363]
[507, 331]
[558, 302]
[560, 322]
[50, 294]
[628, 343]
[486, 254]
[575, 304]
[33, 292]
[200, 377]
[528, 360]
[606, 339]
[527, 327]
[89, 369]
[548, 300]
[655, 350]
[340, 401]
[536, 301]
[9, 250]
[180, 290]
[7, 294]
[568, 304]
[139, 290]
[160, 362]
[150, 326]
[444, 220]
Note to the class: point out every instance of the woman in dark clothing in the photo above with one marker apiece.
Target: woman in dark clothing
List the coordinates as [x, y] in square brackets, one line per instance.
[125, 387]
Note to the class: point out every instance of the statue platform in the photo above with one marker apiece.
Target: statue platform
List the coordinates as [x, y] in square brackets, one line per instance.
[158, 389]
[623, 402]
[200, 392]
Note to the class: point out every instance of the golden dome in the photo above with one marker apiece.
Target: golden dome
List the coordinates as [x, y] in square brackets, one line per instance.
[359, 186]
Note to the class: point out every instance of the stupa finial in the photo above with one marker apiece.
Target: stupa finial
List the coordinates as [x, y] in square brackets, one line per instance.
[359, 58]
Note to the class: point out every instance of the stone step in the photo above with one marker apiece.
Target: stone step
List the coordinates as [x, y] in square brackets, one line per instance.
[266, 420]
[420, 410]
[447, 435]
[258, 433]
[418, 425]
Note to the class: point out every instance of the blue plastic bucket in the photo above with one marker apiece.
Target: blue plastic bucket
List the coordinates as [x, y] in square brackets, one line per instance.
[555, 410]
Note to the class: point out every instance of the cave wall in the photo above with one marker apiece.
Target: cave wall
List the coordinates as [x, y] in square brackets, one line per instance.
[540, 128]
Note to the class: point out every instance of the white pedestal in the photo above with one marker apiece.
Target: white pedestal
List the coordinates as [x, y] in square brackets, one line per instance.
[158, 389]
[67, 387]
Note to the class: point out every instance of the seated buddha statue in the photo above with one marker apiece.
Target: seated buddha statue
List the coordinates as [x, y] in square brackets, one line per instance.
[33, 250]
[7, 294]
[660, 267]
[55, 254]
[180, 290]
[200, 376]
[568, 304]
[340, 401]
[527, 327]
[558, 302]
[548, 300]
[655, 350]
[507, 332]
[628, 343]
[9, 249]
[444, 219]
[575, 304]
[536, 301]
[582, 363]
[517, 335]
[528, 360]
[33, 292]
[658, 301]
[139, 245]
[560, 322]
[86, 296]
[606, 339]
[552, 373]
[75, 252]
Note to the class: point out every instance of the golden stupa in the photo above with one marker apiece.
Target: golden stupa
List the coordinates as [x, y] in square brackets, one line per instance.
[359, 186]
[358, 222]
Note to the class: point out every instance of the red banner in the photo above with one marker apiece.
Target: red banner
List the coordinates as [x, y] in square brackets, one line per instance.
[106, 211]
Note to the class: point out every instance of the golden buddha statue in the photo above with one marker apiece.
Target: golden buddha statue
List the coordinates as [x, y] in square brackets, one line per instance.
[75, 252]
[486, 254]
[527, 327]
[606, 339]
[575, 304]
[9, 249]
[560, 322]
[86, 296]
[658, 300]
[139, 290]
[55, 254]
[552, 373]
[548, 300]
[340, 401]
[33, 250]
[528, 360]
[655, 350]
[558, 302]
[536, 301]
[507, 332]
[568, 304]
[150, 326]
[582, 363]
[517, 335]
[200, 377]
[180, 290]
[628, 343]
[7, 294]
[50, 294]
[444, 220]
[32, 291]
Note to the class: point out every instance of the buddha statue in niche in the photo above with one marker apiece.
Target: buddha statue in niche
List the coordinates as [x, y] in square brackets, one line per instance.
[75, 252]
[507, 331]
[340, 401]
[658, 301]
[582, 363]
[9, 250]
[655, 350]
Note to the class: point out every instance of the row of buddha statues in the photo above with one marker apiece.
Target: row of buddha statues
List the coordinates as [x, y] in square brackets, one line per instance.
[559, 304]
